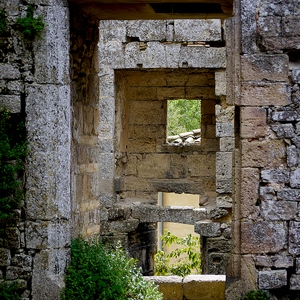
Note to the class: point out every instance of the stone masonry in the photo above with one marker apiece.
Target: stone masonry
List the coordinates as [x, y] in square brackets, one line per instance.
[94, 95]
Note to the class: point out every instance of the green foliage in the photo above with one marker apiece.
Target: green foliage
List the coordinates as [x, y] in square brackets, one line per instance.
[257, 295]
[3, 22]
[9, 291]
[187, 255]
[29, 25]
[13, 149]
[96, 272]
[183, 115]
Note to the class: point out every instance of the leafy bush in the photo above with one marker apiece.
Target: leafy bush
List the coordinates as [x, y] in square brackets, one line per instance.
[13, 149]
[3, 22]
[29, 25]
[187, 254]
[9, 291]
[96, 272]
[257, 295]
[183, 115]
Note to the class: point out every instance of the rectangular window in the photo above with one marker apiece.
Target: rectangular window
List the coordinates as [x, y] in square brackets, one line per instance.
[183, 122]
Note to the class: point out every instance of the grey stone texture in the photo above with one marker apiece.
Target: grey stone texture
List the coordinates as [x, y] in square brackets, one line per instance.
[272, 279]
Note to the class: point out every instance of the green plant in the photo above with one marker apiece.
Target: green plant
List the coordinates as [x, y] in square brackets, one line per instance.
[183, 115]
[13, 149]
[29, 25]
[96, 272]
[3, 22]
[9, 291]
[187, 255]
[257, 295]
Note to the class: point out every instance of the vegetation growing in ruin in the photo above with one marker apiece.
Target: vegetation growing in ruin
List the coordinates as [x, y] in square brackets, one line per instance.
[9, 291]
[183, 115]
[96, 272]
[187, 255]
[13, 149]
[3, 22]
[30, 26]
[257, 295]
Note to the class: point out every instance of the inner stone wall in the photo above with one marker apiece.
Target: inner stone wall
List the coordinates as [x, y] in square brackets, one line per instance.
[138, 161]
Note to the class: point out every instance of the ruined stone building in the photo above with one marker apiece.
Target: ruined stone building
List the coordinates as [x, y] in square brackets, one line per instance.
[94, 92]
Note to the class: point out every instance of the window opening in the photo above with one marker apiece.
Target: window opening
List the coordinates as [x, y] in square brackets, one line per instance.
[183, 122]
[173, 259]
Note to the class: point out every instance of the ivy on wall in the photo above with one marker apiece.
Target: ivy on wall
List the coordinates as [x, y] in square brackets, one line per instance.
[13, 149]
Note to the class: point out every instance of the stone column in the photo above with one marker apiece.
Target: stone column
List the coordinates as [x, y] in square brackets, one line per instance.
[47, 229]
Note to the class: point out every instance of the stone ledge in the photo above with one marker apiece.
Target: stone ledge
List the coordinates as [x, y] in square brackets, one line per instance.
[191, 287]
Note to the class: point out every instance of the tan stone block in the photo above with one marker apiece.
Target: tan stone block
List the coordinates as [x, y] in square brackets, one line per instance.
[253, 122]
[204, 287]
[248, 272]
[249, 191]
[132, 183]
[263, 94]
[149, 131]
[130, 165]
[202, 165]
[88, 140]
[169, 93]
[142, 93]
[141, 146]
[264, 67]
[224, 114]
[194, 93]
[88, 117]
[263, 153]
[170, 286]
[93, 230]
[153, 166]
[143, 112]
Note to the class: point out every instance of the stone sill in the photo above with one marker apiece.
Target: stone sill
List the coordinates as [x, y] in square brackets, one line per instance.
[191, 287]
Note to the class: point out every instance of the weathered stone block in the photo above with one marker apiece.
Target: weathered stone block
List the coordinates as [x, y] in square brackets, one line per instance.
[253, 122]
[49, 266]
[170, 286]
[295, 178]
[248, 272]
[224, 165]
[292, 156]
[285, 116]
[275, 175]
[226, 144]
[152, 30]
[261, 67]
[13, 237]
[205, 287]
[224, 201]
[298, 265]
[5, 257]
[224, 186]
[11, 102]
[279, 210]
[265, 94]
[289, 194]
[294, 237]
[22, 260]
[225, 130]
[202, 57]
[263, 153]
[266, 193]
[284, 130]
[197, 30]
[220, 87]
[202, 165]
[52, 59]
[273, 279]
[207, 229]
[295, 282]
[7, 71]
[124, 226]
[263, 236]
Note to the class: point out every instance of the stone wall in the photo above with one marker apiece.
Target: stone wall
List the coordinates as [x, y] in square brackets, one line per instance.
[267, 94]
[34, 83]
[151, 62]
